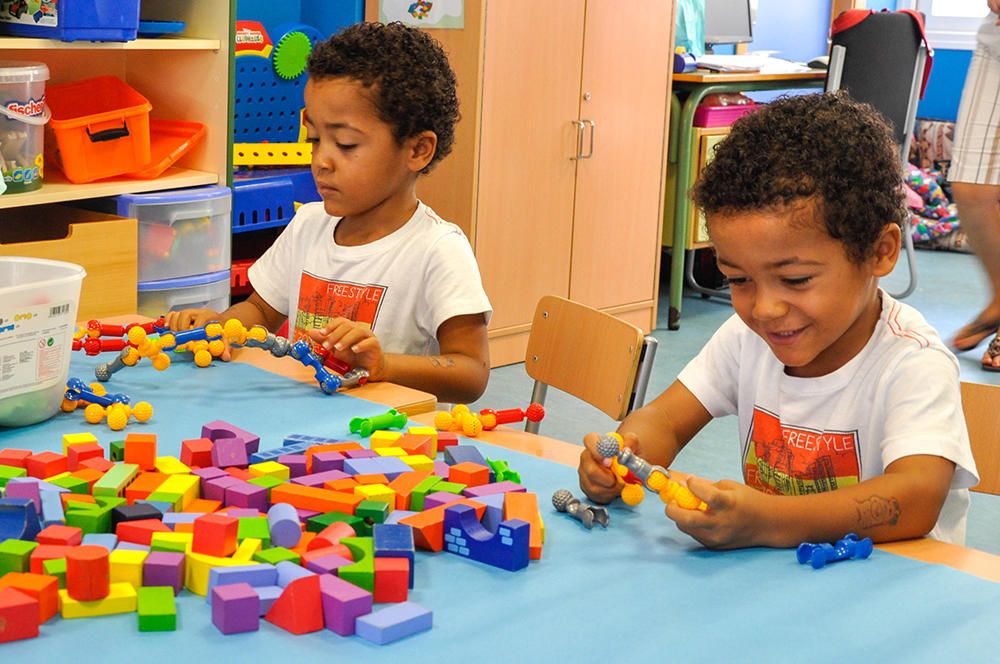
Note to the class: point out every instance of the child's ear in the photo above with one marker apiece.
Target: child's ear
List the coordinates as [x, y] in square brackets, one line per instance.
[887, 248]
[421, 149]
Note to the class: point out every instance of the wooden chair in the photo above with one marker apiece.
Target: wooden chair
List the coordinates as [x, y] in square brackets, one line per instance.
[981, 404]
[589, 354]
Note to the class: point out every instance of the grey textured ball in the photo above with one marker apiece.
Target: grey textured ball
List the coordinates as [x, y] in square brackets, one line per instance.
[607, 446]
[561, 499]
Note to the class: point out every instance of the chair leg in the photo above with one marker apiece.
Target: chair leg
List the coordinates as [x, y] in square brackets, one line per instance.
[649, 346]
[911, 262]
[538, 393]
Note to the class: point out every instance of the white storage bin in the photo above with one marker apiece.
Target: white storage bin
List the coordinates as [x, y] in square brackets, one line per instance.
[205, 291]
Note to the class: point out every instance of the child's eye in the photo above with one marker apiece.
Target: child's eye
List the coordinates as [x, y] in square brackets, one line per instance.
[736, 281]
[797, 281]
[312, 139]
[347, 147]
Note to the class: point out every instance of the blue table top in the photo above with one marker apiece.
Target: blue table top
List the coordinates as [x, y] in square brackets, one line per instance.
[639, 590]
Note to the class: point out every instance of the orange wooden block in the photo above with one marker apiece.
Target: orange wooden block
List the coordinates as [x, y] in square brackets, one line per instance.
[345, 484]
[239, 473]
[88, 475]
[143, 485]
[42, 587]
[203, 505]
[303, 544]
[415, 443]
[392, 579]
[46, 464]
[140, 449]
[317, 500]
[404, 484]
[97, 463]
[197, 452]
[299, 608]
[428, 526]
[469, 473]
[140, 531]
[330, 447]
[331, 535]
[18, 615]
[215, 535]
[374, 478]
[45, 552]
[13, 458]
[88, 572]
[68, 498]
[79, 453]
[59, 534]
[524, 506]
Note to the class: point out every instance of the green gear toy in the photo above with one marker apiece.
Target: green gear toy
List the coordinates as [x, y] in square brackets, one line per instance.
[291, 54]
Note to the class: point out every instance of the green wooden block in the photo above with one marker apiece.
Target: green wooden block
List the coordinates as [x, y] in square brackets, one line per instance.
[74, 484]
[92, 517]
[56, 567]
[372, 511]
[173, 498]
[15, 555]
[8, 473]
[277, 554]
[114, 481]
[422, 490]
[157, 609]
[175, 547]
[362, 571]
[450, 487]
[266, 481]
[117, 450]
[321, 521]
[255, 527]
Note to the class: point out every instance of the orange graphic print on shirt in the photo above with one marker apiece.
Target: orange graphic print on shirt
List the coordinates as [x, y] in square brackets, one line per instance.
[792, 461]
[322, 299]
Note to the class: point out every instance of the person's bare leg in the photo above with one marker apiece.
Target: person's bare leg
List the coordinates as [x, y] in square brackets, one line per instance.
[979, 212]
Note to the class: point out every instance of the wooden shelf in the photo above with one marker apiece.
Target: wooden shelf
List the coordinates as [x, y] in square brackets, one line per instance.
[162, 44]
[57, 189]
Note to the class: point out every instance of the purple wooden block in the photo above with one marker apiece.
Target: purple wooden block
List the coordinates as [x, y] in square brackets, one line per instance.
[164, 568]
[391, 467]
[131, 546]
[229, 452]
[305, 515]
[252, 575]
[343, 603]
[394, 622]
[245, 494]
[215, 489]
[318, 479]
[396, 515]
[441, 468]
[284, 525]
[494, 510]
[235, 608]
[240, 512]
[173, 518]
[219, 429]
[328, 564]
[208, 474]
[296, 464]
[360, 454]
[460, 453]
[440, 498]
[289, 571]
[268, 596]
[327, 461]
[25, 488]
[499, 487]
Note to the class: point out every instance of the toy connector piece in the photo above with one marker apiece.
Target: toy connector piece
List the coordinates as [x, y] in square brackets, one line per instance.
[391, 419]
[588, 515]
[818, 555]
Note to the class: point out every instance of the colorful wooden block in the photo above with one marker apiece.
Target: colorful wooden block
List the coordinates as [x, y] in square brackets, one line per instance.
[156, 608]
[46, 464]
[254, 575]
[395, 622]
[270, 469]
[70, 439]
[343, 603]
[140, 531]
[221, 430]
[8, 473]
[418, 462]
[428, 526]
[140, 449]
[463, 453]
[465, 536]
[126, 566]
[275, 555]
[469, 473]
[299, 609]
[215, 535]
[56, 567]
[310, 498]
[42, 587]
[235, 608]
[361, 572]
[524, 506]
[116, 480]
[121, 598]
[77, 453]
[446, 439]
[88, 572]
[14, 457]
[404, 486]
[283, 525]
[392, 579]
[164, 568]
[384, 438]
[197, 452]
[18, 615]
[169, 465]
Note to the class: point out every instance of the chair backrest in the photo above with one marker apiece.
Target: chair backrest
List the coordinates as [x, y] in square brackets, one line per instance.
[589, 354]
[981, 404]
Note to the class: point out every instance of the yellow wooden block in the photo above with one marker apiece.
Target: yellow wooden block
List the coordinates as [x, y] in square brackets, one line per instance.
[185, 486]
[56, 477]
[270, 469]
[418, 462]
[247, 548]
[197, 567]
[169, 465]
[164, 541]
[126, 566]
[391, 451]
[120, 599]
[377, 492]
[384, 439]
[422, 430]
[70, 439]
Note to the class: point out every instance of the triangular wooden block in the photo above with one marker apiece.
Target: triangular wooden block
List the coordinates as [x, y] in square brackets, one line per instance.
[299, 608]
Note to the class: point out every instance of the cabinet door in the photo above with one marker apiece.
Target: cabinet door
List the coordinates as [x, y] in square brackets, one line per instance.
[616, 242]
[531, 87]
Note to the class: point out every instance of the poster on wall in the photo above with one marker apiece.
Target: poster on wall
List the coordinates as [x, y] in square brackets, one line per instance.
[423, 13]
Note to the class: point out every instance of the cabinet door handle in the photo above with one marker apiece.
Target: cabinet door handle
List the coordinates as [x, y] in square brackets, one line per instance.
[579, 139]
[590, 148]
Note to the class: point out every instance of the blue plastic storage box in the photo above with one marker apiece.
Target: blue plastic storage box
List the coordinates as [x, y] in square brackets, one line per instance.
[205, 291]
[71, 20]
[265, 199]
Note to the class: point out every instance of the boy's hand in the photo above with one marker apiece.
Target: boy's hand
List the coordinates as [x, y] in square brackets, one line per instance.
[596, 478]
[354, 344]
[178, 321]
[734, 519]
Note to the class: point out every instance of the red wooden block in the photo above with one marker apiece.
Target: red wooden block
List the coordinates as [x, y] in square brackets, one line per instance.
[57, 534]
[88, 572]
[12, 457]
[215, 535]
[140, 449]
[469, 473]
[304, 540]
[45, 552]
[42, 587]
[140, 531]
[331, 535]
[18, 615]
[299, 608]
[392, 579]
[446, 439]
[197, 452]
[78, 453]
[417, 444]
[321, 552]
[45, 464]
[97, 463]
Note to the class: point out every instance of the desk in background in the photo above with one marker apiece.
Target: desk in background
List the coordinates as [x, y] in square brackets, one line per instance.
[682, 150]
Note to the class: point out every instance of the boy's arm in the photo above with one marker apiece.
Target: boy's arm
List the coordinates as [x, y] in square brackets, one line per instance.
[252, 311]
[902, 503]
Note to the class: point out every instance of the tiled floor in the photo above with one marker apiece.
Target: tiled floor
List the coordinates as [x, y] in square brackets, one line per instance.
[950, 291]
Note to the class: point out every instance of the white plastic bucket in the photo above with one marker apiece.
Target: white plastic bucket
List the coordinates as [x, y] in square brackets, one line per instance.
[38, 305]
[23, 113]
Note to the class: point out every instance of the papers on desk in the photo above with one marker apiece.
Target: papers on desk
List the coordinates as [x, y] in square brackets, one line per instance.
[751, 63]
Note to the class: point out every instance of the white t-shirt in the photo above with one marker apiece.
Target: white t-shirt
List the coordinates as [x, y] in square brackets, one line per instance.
[404, 286]
[988, 35]
[898, 397]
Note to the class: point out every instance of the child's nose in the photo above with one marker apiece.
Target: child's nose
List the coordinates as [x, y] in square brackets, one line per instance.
[768, 305]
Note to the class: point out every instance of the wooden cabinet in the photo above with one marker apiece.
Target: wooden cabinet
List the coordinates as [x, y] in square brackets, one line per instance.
[558, 166]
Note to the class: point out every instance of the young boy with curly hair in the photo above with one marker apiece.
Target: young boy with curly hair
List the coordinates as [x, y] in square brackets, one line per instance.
[372, 273]
[849, 408]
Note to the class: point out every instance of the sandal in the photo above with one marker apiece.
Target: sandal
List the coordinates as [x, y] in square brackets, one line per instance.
[993, 351]
[978, 331]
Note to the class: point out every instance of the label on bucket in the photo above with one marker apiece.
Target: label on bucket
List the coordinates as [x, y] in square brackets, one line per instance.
[34, 345]
[30, 12]
[21, 153]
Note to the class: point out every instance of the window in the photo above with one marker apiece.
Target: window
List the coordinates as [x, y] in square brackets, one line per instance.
[951, 24]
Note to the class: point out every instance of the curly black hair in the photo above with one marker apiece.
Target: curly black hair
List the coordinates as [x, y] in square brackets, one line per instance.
[826, 150]
[408, 72]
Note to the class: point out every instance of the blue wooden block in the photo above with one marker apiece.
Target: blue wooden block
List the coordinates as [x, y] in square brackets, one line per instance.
[396, 516]
[268, 596]
[462, 453]
[494, 510]
[289, 571]
[254, 575]
[108, 540]
[391, 467]
[394, 622]
[131, 546]
[464, 535]
[161, 505]
[52, 509]
[309, 441]
[18, 519]
[173, 518]
[260, 456]
[394, 541]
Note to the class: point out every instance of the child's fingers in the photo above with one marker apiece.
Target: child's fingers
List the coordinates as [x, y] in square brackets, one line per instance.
[366, 345]
[352, 338]
[707, 492]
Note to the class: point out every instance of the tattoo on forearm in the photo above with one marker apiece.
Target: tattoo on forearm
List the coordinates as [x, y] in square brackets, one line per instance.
[442, 361]
[877, 511]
